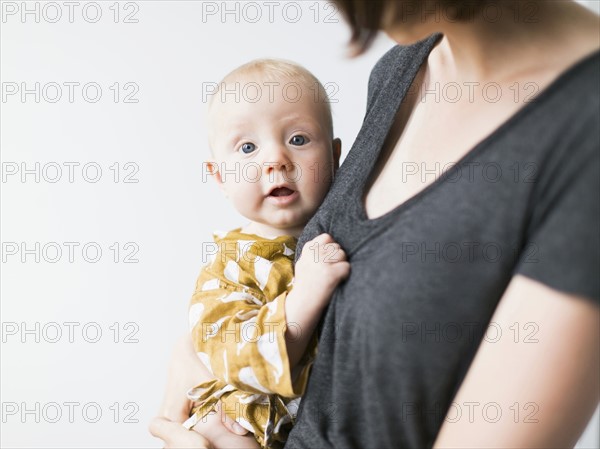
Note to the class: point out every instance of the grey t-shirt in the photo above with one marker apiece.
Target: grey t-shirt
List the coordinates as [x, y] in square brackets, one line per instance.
[399, 335]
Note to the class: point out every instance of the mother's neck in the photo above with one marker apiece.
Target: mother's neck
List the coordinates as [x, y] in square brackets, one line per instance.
[528, 36]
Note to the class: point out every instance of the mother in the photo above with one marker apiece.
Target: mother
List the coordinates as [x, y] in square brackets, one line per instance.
[469, 210]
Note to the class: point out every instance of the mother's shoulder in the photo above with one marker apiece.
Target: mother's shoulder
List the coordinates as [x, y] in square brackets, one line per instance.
[397, 60]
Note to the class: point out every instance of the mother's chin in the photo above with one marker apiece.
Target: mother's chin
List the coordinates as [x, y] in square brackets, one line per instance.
[409, 35]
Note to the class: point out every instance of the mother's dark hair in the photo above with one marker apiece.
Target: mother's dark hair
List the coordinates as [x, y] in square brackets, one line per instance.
[367, 17]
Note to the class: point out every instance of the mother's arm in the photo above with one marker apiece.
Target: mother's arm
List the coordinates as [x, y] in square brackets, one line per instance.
[546, 390]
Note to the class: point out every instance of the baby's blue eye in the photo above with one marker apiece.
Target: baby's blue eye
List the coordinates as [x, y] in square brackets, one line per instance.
[298, 140]
[248, 148]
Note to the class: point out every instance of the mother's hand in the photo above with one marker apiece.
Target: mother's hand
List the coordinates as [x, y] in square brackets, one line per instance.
[213, 434]
[185, 371]
[175, 435]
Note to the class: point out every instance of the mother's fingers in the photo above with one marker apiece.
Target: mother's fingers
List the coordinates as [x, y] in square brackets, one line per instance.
[229, 423]
[176, 436]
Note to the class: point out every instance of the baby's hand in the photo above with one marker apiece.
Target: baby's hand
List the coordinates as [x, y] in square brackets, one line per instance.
[321, 267]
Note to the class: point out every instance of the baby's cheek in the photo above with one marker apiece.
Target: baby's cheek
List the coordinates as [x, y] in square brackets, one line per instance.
[244, 200]
[248, 205]
[318, 189]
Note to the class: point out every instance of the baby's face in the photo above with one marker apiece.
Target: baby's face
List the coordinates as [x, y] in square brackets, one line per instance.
[274, 152]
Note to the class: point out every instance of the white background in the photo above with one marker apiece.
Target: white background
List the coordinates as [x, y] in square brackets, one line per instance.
[161, 220]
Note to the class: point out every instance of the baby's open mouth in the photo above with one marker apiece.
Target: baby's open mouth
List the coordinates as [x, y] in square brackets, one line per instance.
[281, 191]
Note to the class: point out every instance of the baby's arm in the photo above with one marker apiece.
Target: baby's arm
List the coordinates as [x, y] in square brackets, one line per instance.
[321, 267]
[245, 343]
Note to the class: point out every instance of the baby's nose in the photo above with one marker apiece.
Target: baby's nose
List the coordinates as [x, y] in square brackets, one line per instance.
[277, 158]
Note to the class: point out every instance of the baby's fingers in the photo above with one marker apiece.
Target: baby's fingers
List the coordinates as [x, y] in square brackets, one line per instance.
[322, 239]
[341, 270]
[333, 253]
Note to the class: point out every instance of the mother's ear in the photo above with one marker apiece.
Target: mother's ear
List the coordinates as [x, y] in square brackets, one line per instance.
[337, 152]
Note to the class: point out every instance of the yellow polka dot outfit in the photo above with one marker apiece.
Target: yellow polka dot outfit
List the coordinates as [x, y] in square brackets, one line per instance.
[237, 320]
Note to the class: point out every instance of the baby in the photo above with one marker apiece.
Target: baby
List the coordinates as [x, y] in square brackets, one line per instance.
[253, 321]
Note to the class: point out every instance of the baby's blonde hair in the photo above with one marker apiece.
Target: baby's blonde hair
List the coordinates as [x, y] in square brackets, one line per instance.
[271, 70]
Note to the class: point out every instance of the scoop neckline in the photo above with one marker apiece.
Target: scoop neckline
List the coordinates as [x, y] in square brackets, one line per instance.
[475, 150]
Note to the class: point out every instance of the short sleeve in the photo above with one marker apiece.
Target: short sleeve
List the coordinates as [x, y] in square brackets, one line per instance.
[563, 243]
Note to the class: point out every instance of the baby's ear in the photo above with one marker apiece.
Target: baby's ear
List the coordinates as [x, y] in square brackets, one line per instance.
[211, 167]
[337, 152]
